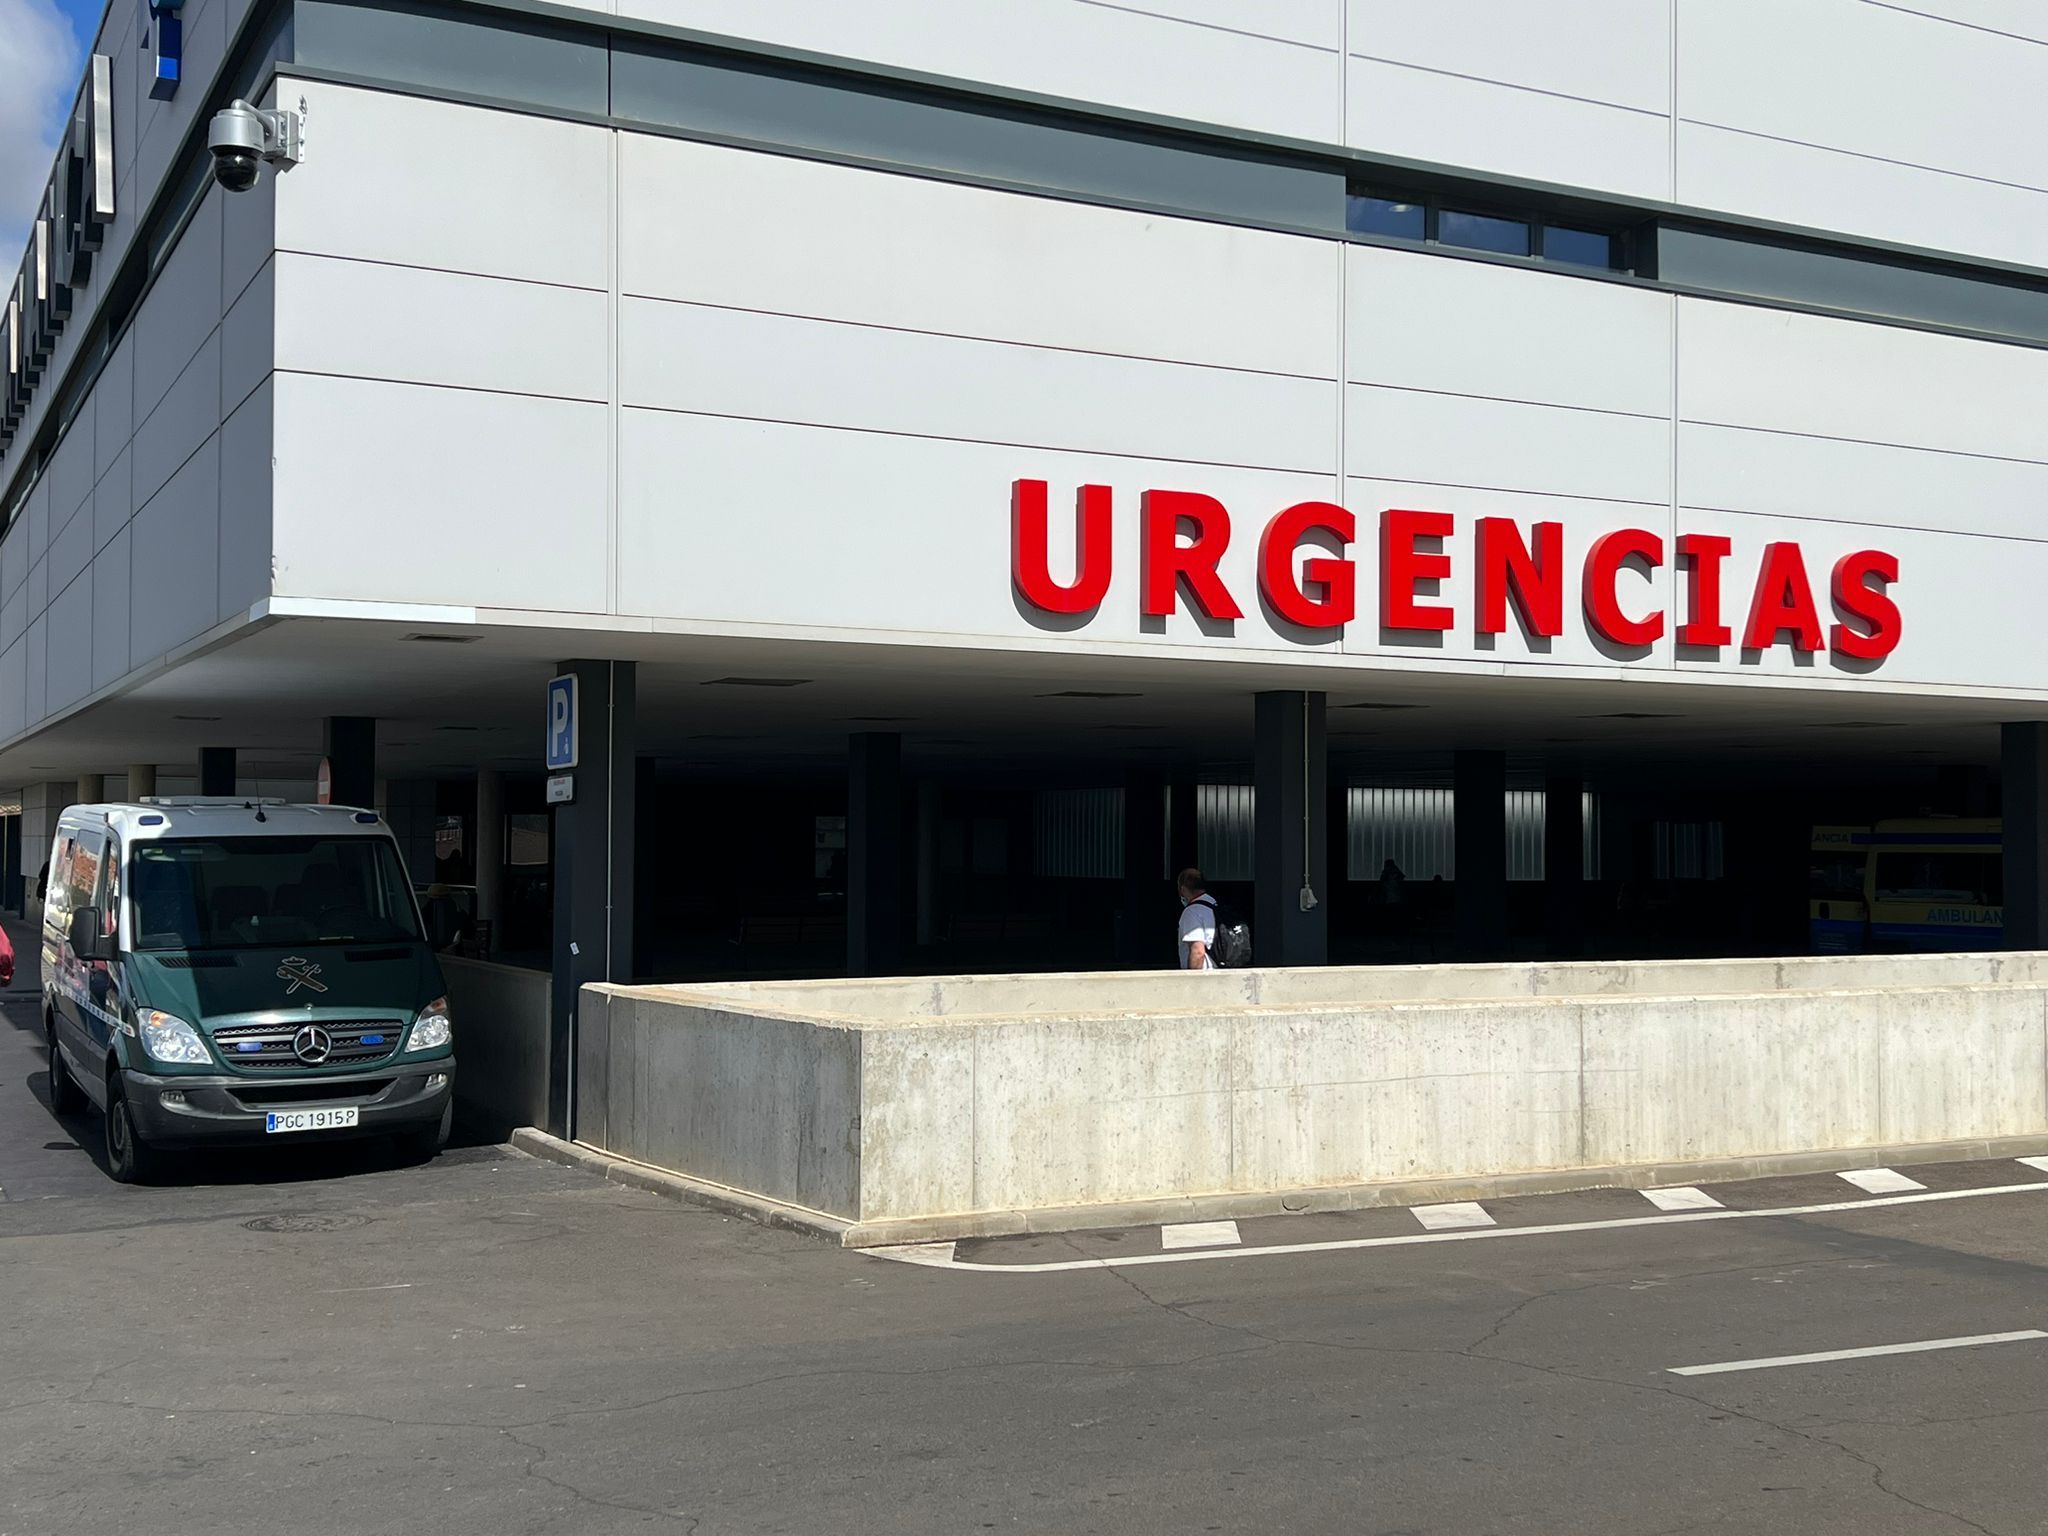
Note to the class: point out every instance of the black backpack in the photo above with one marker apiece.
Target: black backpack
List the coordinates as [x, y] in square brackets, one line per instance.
[1232, 950]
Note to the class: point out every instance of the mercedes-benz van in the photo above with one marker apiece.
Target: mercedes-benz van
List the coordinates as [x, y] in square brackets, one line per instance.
[236, 971]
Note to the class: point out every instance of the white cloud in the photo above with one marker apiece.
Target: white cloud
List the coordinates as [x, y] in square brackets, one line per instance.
[40, 60]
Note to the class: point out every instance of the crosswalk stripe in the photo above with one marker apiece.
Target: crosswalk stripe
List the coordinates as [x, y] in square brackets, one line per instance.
[1199, 1234]
[1880, 1181]
[1681, 1197]
[2036, 1162]
[1459, 1213]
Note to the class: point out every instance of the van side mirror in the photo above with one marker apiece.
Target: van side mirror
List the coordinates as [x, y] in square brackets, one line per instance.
[88, 935]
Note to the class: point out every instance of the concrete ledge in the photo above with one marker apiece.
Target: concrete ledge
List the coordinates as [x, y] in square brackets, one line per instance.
[733, 1202]
[1217, 1207]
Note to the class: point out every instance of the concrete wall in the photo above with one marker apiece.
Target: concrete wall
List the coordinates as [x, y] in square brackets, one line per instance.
[501, 1043]
[905, 1121]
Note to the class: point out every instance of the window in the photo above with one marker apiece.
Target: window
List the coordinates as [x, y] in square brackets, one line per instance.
[257, 892]
[1580, 247]
[1384, 216]
[1964, 879]
[1483, 232]
[1834, 876]
[526, 839]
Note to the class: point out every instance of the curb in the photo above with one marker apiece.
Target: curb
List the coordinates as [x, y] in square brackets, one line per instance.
[1216, 1207]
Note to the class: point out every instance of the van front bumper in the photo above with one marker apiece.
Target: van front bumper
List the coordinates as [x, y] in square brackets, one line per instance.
[199, 1111]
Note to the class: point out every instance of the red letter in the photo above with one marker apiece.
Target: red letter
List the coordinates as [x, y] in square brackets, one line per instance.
[1165, 557]
[1856, 598]
[1783, 603]
[1703, 624]
[1339, 577]
[1028, 553]
[1603, 607]
[1506, 569]
[1402, 566]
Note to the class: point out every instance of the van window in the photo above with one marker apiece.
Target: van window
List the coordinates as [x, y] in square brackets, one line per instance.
[82, 869]
[1966, 879]
[263, 892]
[1834, 876]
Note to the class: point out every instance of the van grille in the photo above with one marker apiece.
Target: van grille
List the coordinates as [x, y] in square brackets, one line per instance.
[279, 1095]
[357, 1043]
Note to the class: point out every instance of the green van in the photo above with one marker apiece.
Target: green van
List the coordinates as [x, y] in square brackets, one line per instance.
[229, 970]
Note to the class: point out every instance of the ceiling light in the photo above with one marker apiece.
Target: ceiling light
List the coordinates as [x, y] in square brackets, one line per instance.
[1375, 704]
[880, 719]
[445, 639]
[1088, 693]
[754, 682]
[1631, 714]
[198, 719]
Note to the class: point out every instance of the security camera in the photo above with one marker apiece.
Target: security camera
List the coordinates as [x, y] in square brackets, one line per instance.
[242, 137]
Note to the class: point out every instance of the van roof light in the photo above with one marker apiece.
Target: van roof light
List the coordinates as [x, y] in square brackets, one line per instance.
[368, 818]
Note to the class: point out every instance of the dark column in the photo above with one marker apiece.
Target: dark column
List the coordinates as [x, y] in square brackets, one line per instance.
[593, 876]
[1290, 831]
[874, 852]
[1963, 789]
[2024, 770]
[1183, 833]
[1564, 864]
[216, 770]
[349, 744]
[1481, 837]
[646, 914]
[1146, 915]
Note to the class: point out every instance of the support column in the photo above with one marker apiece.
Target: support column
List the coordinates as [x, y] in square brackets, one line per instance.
[874, 853]
[2024, 769]
[927, 861]
[1290, 830]
[141, 780]
[490, 851]
[1481, 849]
[1146, 913]
[91, 790]
[217, 771]
[1184, 832]
[1564, 864]
[593, 873]
[349, 743]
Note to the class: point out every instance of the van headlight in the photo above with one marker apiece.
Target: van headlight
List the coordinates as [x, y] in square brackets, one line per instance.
[431, 1030]
[168, 1038]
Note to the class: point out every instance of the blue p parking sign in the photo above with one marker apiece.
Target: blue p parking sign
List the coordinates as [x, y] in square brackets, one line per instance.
[561, 724]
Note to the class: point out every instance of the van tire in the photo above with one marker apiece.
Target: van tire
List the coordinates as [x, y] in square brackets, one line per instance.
[66, 1097]
[130, 1159]
[420, 1144]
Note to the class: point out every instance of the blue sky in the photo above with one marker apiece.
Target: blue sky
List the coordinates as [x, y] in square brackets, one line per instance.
[42, 52]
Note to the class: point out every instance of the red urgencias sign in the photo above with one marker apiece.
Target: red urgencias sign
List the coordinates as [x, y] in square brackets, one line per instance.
[1510, 566]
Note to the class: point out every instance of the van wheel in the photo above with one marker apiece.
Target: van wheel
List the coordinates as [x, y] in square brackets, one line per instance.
[66, 1097]
[421, 1144]
[130, 1159]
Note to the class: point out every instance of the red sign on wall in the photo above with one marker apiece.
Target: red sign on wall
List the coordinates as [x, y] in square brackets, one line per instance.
[1182, 537]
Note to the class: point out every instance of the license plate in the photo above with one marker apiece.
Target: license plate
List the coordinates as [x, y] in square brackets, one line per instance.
[310, 1119]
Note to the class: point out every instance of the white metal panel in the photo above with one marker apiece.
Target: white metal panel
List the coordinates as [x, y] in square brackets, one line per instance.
[777, 234]
[113, 501]
[1614, 51]
[1273, 70]
[369, 320]
[1795, 475]
[248, 338]
[1829, 189]
[1956, 99]
[175, 559]
[1422, 321]
[763, 523]
[1422, 115]
[110, 606]
[35, 669]
[249, 227]
[14, 687]
[245, 505]
[1455, 440]
[187, 415]
[70, 551]
[113, 406]
[470, 497]
[1969, 605]
[70, 471]
[2020, 18]
[774, 368]
[454, 187]
[181, 309]
[1744, 366]
[36, 591]
[14, 558]
[68, 664]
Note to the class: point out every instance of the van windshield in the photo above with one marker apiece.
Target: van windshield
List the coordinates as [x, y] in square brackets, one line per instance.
[260, 892]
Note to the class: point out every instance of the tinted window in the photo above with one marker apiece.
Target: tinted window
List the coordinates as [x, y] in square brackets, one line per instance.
[1965, 879]
[1383, 216]
[1582, 247]
[1835, 877]
[251, 892]
[1482, 232]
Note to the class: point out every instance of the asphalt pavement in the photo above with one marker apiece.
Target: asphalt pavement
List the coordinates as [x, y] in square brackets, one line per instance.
[314, 1340]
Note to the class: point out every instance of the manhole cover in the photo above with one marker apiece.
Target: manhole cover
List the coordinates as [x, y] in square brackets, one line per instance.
[307, 1221]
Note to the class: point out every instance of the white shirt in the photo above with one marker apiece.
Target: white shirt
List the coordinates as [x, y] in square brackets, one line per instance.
[1198, 926]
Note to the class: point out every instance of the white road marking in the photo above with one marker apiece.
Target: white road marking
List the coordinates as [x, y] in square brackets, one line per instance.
[401, 1285]
[1446, 1218]
[1682, 1197]
[938, 1255]
[1880, 1181]
[1918, 1348]
[919, 1253]
[2036, 1162]
[1199, 1234]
